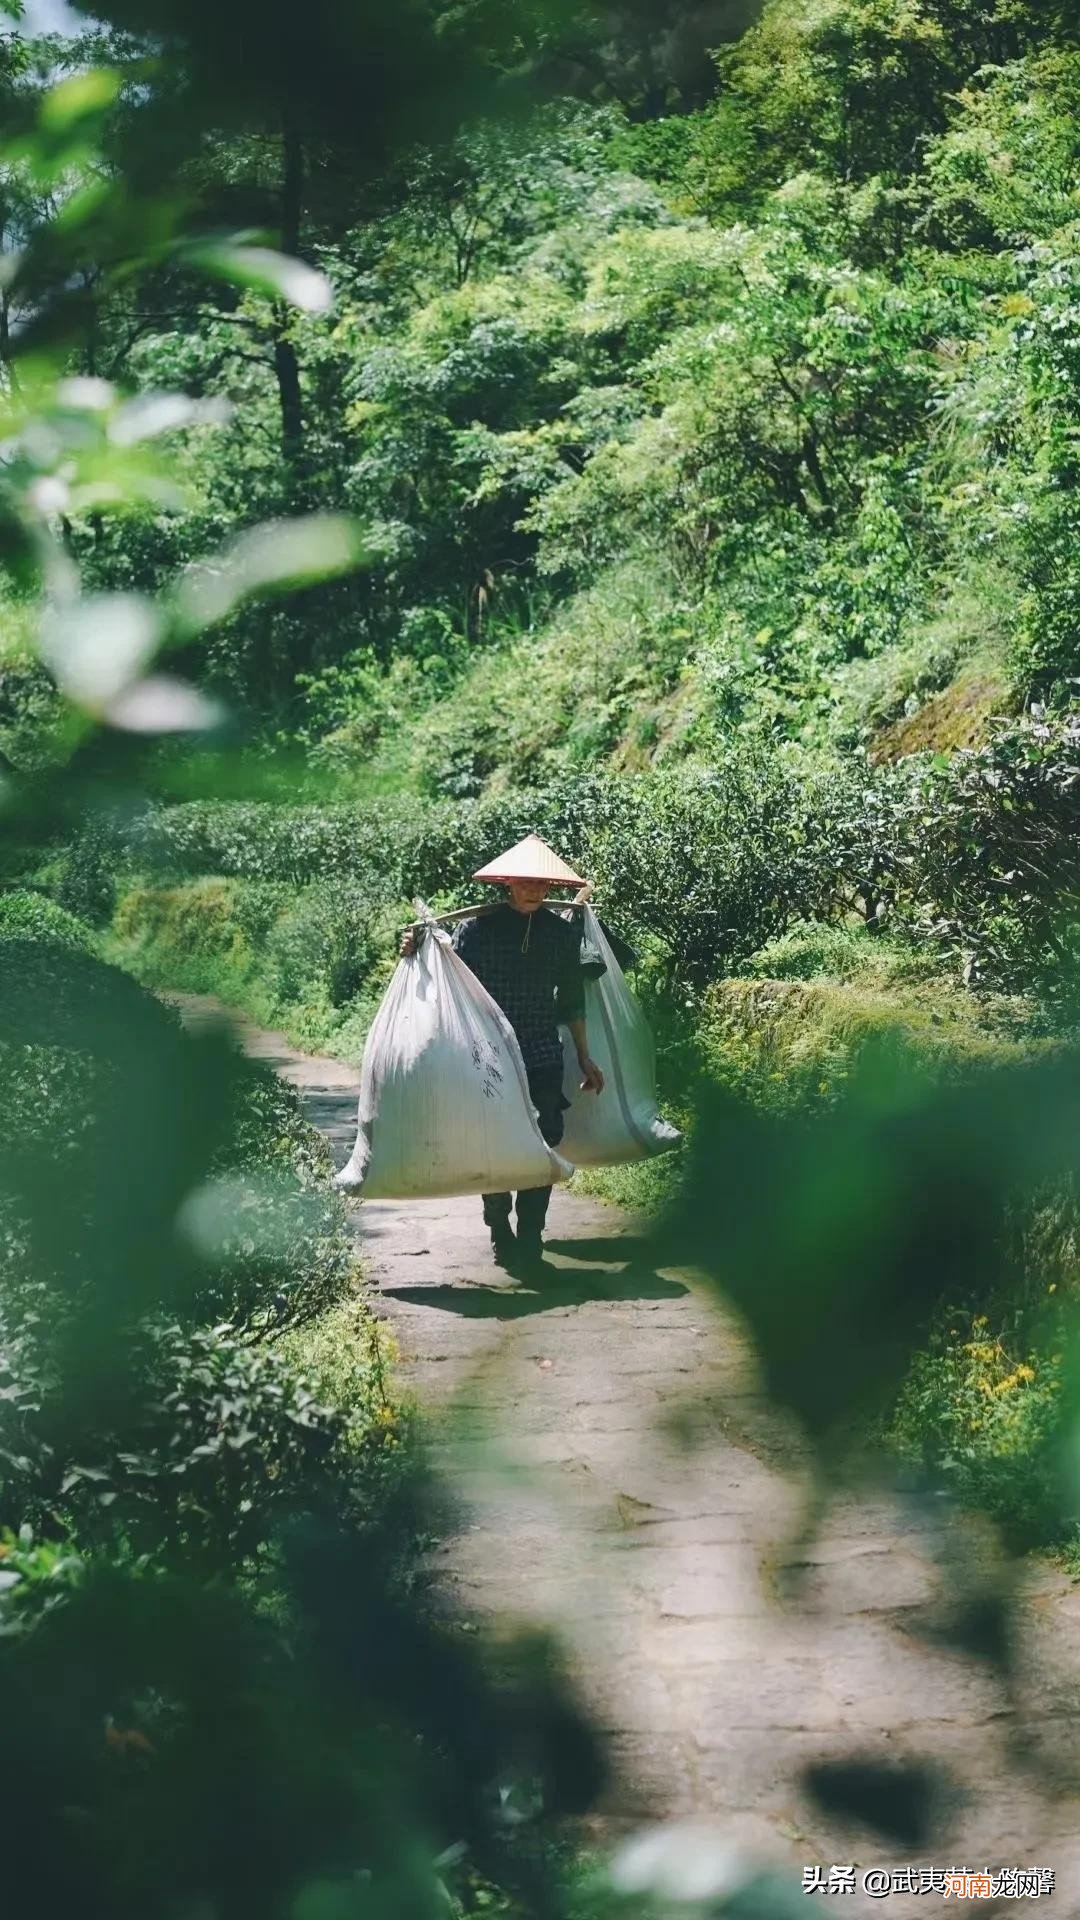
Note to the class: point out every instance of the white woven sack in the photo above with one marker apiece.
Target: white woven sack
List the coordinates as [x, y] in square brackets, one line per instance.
[622, 1123]
[444, 1098]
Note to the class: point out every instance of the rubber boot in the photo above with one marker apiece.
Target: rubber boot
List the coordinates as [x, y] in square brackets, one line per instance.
[504, 1246]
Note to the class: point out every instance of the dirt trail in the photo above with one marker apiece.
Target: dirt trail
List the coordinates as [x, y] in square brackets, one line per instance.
[561, 1416]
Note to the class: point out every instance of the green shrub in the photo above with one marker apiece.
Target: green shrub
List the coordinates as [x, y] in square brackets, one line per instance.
[29, 703]
[33, 916]
[46, 991]
[209, 1439]
[193, 1437]
[213, 1440]
[83, 878]
[271, 1245]
[792, 1043]
[978, 852]
[314, 961]
[987, 1425]
[967, 856]
[325, 944]
[260, 840]
[274, 1239]
[713, 863]
[305, 1757]
[199, 920]
[842, 951]
[594, 673]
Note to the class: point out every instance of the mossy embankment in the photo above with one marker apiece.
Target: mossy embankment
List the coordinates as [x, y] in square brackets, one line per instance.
[279, 954]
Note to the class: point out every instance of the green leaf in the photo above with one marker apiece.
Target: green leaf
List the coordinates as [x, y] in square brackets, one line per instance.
[150, 414]
[277, 555]
[98, 646]
[77, 97]
[266, 271]
[160, 704]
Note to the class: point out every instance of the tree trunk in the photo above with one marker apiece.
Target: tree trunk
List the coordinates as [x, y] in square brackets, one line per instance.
[287, 368]
[286, 364]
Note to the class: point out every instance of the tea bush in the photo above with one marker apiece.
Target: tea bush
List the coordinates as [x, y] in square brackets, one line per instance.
[978, 853]
[80, 873]
[205, 1433]
[261, 840]
[271, 1247]
[278, 1249]
[210, 1439]
[716, 860]
[325, 944]
[34, 916]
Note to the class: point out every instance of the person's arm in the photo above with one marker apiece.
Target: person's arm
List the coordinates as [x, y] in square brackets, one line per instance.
[570, 998]
[592, 1079]
[459, 939]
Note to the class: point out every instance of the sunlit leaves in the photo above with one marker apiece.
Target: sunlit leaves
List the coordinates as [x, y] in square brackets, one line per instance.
[71, 101]
[77, 447]
[98, 648]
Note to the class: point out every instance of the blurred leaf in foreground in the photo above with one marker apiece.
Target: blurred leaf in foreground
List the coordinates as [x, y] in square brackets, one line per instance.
[839, 1233]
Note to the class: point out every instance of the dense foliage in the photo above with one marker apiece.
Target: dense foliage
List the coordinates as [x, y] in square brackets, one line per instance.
[714, 472]
[739, 436]
[658, 430]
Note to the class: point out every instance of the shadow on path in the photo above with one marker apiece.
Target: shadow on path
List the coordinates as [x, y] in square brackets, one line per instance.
[624, 1247]
[558, 1290]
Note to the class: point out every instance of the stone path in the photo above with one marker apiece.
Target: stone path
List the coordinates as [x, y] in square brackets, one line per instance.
[565, 1417]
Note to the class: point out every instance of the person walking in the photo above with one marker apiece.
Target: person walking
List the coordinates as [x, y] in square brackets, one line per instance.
[529, 960]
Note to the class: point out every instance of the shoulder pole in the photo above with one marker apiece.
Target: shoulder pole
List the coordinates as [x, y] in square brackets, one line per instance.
[489, 906]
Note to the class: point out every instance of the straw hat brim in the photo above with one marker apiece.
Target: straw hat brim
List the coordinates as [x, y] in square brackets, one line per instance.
[531, 859]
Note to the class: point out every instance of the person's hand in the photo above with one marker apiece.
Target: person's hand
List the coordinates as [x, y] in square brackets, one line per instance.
[410, 941]
[593, 1079]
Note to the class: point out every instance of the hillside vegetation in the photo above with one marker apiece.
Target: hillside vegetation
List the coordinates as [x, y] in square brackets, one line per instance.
[714, 470]
[715, 477]
[652, 426]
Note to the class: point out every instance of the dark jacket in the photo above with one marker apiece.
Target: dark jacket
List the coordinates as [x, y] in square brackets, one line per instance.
[531, 966]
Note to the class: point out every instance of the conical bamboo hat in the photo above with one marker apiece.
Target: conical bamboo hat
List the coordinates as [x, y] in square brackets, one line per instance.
[531, 859]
